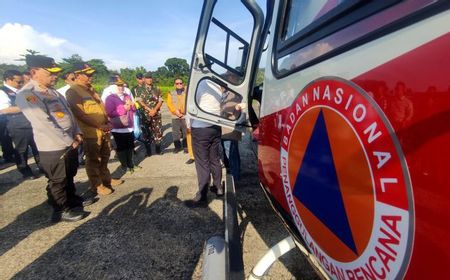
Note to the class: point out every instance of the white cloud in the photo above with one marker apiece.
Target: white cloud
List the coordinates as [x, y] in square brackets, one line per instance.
[17, 38]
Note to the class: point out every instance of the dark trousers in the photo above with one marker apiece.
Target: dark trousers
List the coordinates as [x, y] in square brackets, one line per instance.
[206, 143]
[60, 170]
[5, 140]
[22, 139]
[231, 157]
[125, 148]
[178, 129]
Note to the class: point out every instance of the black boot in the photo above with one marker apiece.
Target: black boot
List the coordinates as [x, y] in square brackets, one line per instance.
[129, 153]
[177, 148]
[122, 156]
[158, 150]
[148, 149]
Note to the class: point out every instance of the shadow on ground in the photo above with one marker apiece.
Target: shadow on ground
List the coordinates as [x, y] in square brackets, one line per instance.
[25, 224]
[257, 211]
[131, 240]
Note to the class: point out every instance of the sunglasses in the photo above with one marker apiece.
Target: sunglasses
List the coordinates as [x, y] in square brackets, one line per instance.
[178, 83]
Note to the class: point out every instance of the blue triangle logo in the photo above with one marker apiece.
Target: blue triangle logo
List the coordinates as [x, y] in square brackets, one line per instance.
[317, 186]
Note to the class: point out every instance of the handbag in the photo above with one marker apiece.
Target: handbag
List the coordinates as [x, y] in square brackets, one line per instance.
[120, 121]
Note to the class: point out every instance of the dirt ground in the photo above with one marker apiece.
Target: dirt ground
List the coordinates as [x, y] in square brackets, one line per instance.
[141, 231]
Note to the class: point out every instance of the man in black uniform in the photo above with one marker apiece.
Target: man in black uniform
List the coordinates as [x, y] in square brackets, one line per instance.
[17, 125]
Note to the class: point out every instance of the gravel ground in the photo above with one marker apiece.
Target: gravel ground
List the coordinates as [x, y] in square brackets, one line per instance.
[141, 231]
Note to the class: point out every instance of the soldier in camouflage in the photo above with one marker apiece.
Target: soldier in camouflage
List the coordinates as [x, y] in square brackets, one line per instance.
[150, 100]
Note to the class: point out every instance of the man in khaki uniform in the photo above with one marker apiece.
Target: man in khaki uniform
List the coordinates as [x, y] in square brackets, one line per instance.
[89, 111]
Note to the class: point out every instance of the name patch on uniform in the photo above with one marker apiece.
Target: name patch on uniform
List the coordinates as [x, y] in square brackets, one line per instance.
[31, 99]
[346, 182]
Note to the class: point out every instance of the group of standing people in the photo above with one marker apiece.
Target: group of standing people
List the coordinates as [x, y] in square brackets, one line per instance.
[60, 125]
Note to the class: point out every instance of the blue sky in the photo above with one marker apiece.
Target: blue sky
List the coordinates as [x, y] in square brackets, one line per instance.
[122, 33]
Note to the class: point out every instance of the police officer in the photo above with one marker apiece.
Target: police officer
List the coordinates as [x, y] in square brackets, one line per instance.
[11, 80]
[56, 134]
[90, 113]
[17, 125]
[149, 97]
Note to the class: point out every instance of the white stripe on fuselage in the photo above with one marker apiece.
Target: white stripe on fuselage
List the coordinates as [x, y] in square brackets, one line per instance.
[279, 94]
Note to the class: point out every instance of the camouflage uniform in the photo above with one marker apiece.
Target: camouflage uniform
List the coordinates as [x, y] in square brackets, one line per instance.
[151, 126]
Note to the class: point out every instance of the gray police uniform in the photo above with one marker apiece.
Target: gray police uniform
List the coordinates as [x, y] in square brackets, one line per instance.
[54, 129]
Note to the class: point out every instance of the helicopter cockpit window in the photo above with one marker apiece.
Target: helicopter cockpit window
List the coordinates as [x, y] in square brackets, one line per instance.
[228, 37]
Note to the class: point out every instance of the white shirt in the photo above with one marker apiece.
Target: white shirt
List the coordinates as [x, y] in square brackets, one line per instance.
[5, 102]
[208, 97]
[63, 90]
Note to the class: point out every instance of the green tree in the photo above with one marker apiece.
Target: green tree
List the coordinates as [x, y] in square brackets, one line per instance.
[161, 75]
[178, 67]
[73, 59]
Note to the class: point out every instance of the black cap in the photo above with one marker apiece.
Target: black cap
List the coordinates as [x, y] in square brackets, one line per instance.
[82, 67]
[113, 79]
[42, 61]
[139, 76]
[148, 75]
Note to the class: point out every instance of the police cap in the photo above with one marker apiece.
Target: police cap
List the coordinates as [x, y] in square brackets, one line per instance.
[82, 68]
[42, 61]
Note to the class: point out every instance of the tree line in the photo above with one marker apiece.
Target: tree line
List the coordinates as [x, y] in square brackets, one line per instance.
[164, 76]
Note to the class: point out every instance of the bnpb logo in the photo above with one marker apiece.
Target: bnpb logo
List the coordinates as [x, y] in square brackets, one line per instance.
[346, 182]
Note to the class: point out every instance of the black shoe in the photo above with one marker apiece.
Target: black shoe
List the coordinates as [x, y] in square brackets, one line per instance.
[82, 162]
[218, 191]
[70, 215]
[158, 149]
[81, 202]
[73, 215]
[190, 161]
[88, 201]
[198, 201]
[30, 177]
[192, 203]
[176, 150]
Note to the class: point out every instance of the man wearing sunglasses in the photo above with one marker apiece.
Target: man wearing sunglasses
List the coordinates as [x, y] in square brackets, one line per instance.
[90, 113]
[176, 104]
[57, 137]
[17, 126]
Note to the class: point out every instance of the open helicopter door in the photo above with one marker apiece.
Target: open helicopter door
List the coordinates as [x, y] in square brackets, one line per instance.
[225, 53]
